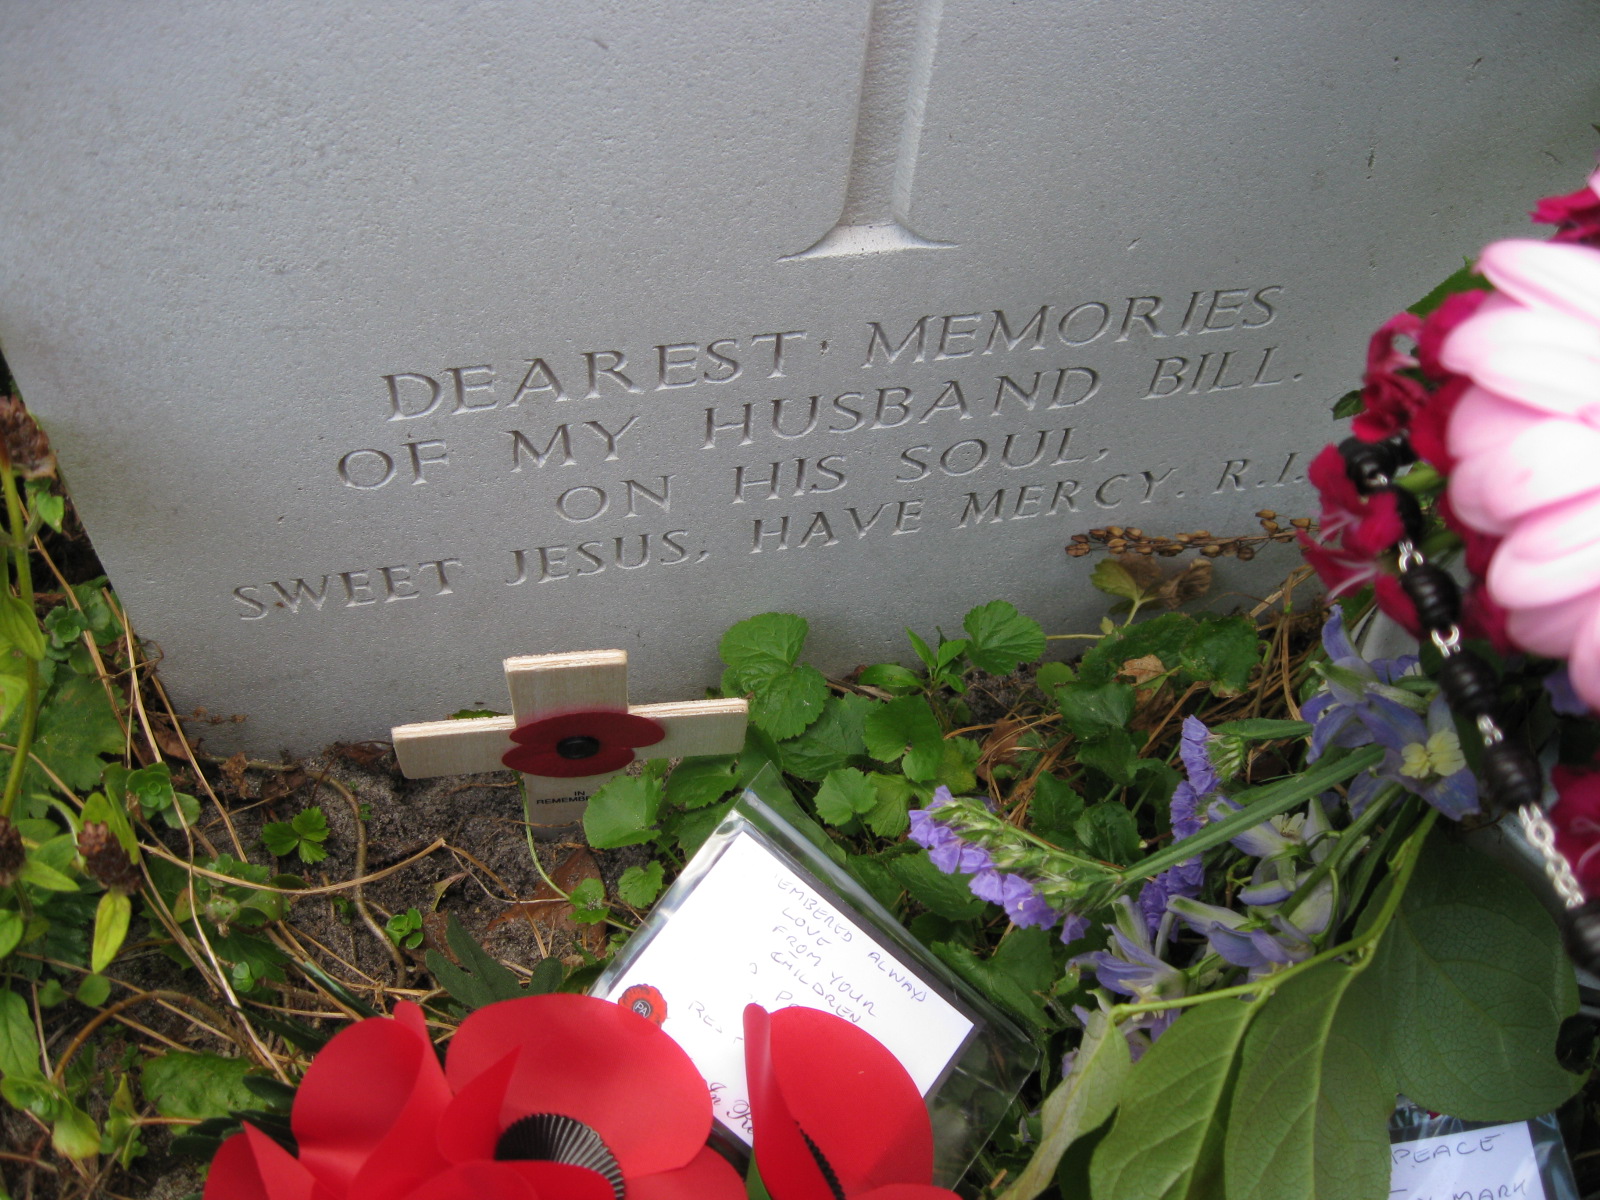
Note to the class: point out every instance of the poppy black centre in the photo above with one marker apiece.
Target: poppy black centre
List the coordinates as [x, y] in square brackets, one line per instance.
[579, 746]
[551, 1137]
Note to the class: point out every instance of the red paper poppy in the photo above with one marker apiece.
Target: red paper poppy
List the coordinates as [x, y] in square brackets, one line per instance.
[835, 1115]
[585, 741]
[647, 1001]
[544, 1097]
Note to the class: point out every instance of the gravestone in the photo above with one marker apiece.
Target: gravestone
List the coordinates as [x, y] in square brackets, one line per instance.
[379, 343]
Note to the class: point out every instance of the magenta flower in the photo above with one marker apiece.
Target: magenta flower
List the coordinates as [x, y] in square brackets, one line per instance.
[1576, 215]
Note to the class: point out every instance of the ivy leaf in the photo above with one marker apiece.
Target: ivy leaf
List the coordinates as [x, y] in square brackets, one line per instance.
[906, 728]
[831, 741]
[1308, 1120]
[1080, 1103]
[640, 885]
[1174, 1100]
[623, 812]
[844, 795]
[697, 782]
[763, 645]
[1476, 986]
[1002, 638]
[196, 1086]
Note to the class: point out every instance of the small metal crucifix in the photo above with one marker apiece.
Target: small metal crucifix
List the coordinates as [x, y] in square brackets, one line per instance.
[571, 730]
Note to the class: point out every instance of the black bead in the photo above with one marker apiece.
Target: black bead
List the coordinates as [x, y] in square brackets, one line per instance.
[1581, 933]
[1469, 684]
[1410, 514]
[1436, 596]
[1403, 450]
[1511, 777]
[1368, 464]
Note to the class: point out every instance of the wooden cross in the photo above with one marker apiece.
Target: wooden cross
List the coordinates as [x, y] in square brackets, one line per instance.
[566, 721]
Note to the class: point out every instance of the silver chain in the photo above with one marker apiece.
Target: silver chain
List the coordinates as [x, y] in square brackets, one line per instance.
[1541, 836]
[1535, 824]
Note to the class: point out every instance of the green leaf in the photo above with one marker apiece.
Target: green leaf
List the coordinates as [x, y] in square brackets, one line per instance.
[19, 1047]
[623, 812]
[958, 761]
[1463, 279]
[692, 828]
[1113, 754]
[1163, 636]
[891, 816]
[196, 1085]
[1002, 638]
[1093, 710]
[11, 929]
[844, 795]
[831, 741]
[1056, 807]
[1168, 1132]
[996, 984]
[74, 1133]
[640, 885]
[1080, 1103]
[1261, 729]
[1026, 958]
[922, 650]
[764, 645]
[93, 990]
[589, 905]
[547, 977]
[19, 628]
[1112, 578]
[1108, 832]
[906, 729]
[697, 782]
[151, 786]
[111, 918]
[41, 875]
[946, 895]
[785, 704]
[1222, 651]
[480, 979]
[76, 726]
[1309, 1113]
[1476, 986]
[892, 678]
[1348, 405]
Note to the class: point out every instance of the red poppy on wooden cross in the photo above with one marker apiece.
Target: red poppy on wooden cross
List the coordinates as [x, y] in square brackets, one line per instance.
[571, 730]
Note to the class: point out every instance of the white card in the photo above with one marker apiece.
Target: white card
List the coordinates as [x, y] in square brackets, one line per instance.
[1494, 1162]
[754, 931]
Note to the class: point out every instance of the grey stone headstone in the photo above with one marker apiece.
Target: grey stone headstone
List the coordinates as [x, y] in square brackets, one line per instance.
[381, 342]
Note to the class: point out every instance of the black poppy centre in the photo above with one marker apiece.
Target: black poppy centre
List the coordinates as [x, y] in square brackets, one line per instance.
[552, 1137]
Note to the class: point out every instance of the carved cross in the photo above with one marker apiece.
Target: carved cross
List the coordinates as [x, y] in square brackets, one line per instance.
[571, 730]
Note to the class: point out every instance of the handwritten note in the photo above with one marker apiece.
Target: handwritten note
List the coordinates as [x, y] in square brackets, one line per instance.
[1496, 1163]
[754, 931]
